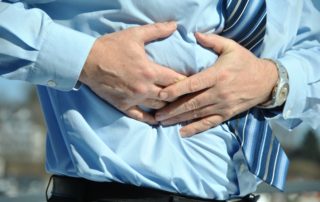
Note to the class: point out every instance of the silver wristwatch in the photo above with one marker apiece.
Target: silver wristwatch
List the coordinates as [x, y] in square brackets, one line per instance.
[281, 90]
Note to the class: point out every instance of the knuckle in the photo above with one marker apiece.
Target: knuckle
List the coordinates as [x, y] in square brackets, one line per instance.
[201, 113]
[192, 104]
[228, 99]
[197, 129]
[207, 123]
[225, 96]
[135, 31]
[231, 41]
[228, 96]
[172, 94]
[149, 74]
[139, 89]
[156, 104]
[158, 26]
[195, 114]
[195, 84]
[152, 103]
[228, 113]
[176, 119]
[223, 75]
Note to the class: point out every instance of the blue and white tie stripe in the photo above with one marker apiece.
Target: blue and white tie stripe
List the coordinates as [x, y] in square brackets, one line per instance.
[265, 157]
[245, 22]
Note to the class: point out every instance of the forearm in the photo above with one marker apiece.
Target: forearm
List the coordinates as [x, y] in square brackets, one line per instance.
[301, 59]
[37, 50]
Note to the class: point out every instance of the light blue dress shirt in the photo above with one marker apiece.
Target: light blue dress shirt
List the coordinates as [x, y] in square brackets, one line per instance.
[46, 42]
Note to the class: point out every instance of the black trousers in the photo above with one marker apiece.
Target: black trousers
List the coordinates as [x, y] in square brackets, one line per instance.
[67, 189]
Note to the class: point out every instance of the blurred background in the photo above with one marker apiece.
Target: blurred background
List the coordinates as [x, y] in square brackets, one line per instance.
[22, 148]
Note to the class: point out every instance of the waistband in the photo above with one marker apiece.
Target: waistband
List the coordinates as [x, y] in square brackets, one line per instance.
[83, 190]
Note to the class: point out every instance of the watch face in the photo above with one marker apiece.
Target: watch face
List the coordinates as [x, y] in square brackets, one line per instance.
[283, 94]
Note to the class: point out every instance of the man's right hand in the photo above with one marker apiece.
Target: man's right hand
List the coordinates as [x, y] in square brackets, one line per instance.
[118, 70]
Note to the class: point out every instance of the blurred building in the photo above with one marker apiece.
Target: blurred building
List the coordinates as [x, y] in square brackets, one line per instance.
[22, 142]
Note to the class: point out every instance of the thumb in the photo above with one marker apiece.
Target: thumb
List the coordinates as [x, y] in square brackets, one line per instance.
[138, 114]
[156, 31]
[166, 76]
[218, 43]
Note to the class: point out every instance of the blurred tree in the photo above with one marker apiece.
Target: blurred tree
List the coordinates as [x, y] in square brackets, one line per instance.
[309, 149]
[34, 105]
[305, 160]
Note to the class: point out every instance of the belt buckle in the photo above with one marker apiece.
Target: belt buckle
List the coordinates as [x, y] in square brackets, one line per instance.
[247, 198]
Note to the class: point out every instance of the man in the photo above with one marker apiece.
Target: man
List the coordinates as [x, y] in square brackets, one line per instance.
[90, 134]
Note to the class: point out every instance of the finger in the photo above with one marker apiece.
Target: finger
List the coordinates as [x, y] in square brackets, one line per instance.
[153, 90]
[194, 83]
[140, 115]
[218, 43]
[165, 75]
[186, 104]
[153, 104]
[200, 126]
[153, 93]
[156, 31]
[191, 115]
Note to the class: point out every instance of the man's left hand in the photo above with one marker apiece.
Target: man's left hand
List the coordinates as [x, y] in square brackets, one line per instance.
[237, 82]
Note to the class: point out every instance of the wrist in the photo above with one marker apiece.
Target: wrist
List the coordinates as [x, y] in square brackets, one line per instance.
[280, 89]
[61, 57]
[271, 77]
[90, 63]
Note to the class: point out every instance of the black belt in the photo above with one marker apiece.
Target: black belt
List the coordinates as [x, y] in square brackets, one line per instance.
[82, 190]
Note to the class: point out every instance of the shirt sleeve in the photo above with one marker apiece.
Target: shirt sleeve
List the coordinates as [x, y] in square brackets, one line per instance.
[36, 49]
[301, 57]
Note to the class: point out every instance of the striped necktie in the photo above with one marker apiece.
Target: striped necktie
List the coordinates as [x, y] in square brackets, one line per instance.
[245, 22]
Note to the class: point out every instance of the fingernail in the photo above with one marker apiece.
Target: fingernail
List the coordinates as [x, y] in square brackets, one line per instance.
[197, 33]
[183, 133]
[163, 95]
[167, 22]
[180, 78]
[172, 23]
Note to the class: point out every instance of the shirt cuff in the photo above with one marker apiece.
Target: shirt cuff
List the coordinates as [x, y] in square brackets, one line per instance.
[296, 100]
[61, 57]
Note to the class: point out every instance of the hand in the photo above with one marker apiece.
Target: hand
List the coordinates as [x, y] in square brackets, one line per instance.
[237, 82]
[118, 70]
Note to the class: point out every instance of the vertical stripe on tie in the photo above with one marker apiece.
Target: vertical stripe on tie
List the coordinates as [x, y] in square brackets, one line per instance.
[237, 10]
[245, 20]
[275, 164]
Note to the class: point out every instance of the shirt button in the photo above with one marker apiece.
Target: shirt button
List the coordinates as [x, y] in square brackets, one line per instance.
[242, 168]
[52, 83]
[287, 114]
